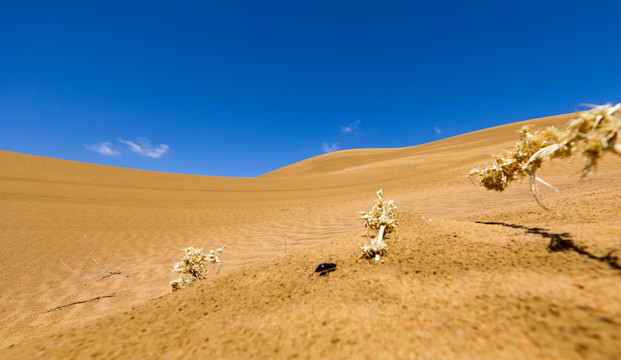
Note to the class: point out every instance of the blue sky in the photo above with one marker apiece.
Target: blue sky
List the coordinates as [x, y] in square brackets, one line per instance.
[240, 88]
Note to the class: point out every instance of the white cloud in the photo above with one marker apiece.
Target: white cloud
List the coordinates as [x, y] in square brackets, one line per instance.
[329, 147]
[104, 148]
[437, 130]
[351, 127]
[143, 147]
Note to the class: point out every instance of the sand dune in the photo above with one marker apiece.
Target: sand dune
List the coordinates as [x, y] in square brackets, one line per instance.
[469, 272]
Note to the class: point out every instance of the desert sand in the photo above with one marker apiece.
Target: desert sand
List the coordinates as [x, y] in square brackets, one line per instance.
[469, 273]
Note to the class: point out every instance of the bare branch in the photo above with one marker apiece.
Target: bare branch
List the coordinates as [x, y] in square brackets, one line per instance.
[105, 276]
[535, 190]
[105, 270]
[61, 260]
[546, 183]
[99, 266]
[98, 253]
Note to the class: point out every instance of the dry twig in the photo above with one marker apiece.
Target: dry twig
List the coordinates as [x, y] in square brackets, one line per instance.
[107, 273]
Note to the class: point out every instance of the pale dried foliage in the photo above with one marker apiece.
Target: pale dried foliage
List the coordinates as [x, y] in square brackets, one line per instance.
[194, 266]
[374, 249]
[382, 217]
[591, 134]
[383, 212]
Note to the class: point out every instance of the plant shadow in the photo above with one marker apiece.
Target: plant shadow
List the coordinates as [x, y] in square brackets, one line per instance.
[561, 242]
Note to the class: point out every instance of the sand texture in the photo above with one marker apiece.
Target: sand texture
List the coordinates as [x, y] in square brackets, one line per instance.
[469, 273]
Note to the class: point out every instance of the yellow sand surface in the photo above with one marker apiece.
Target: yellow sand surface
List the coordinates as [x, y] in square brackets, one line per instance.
[469, 273]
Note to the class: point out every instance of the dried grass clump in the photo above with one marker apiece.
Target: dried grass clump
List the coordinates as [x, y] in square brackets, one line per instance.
[382, 217]
[194, 266]
[591, 134]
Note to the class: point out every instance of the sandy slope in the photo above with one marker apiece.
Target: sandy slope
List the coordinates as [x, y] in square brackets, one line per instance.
[476, 280]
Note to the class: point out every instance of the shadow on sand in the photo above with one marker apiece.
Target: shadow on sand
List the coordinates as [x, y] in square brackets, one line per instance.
[561, 242]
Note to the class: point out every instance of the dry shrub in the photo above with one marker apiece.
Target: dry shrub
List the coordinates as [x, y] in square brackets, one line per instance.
[194, 266]
[382, 217]
[383, 212]
[591, 134]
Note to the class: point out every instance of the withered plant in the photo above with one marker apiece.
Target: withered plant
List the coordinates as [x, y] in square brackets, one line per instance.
[195, 265]
[382, 217]
[106, 272]
[590, 133]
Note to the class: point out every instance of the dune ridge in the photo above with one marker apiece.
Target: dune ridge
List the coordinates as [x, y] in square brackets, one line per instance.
[476, 279]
